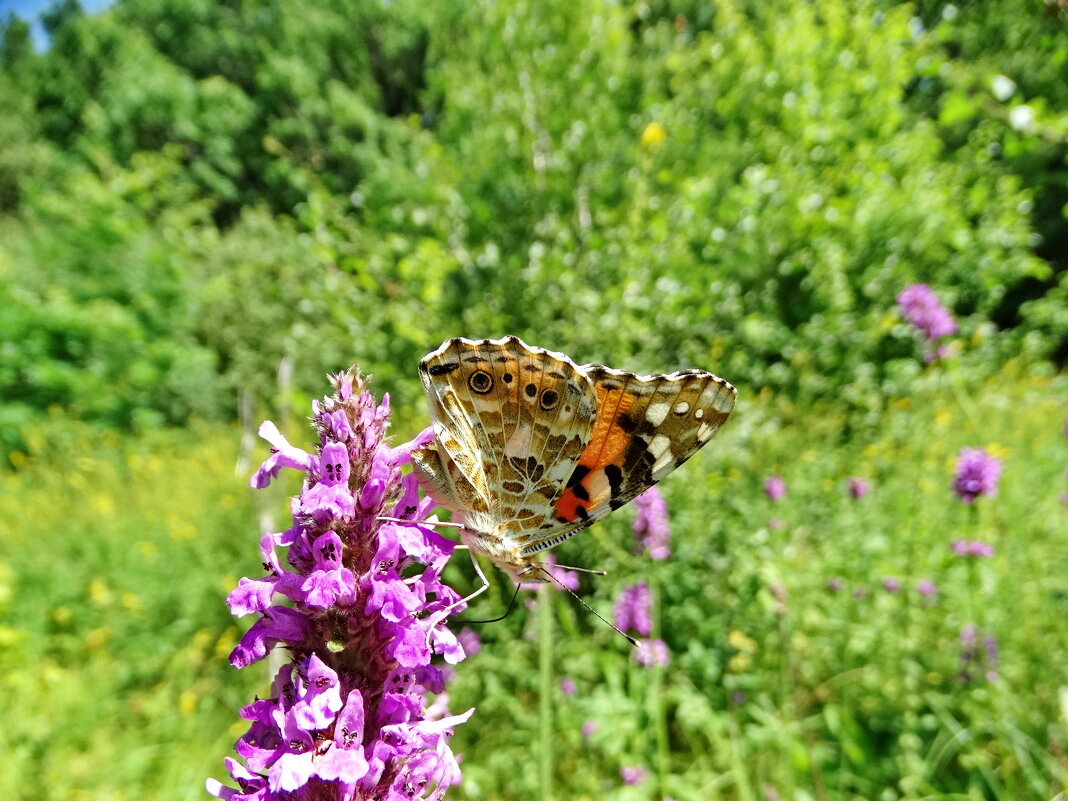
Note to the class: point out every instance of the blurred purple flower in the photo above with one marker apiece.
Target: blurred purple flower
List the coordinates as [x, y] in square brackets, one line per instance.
[567, 686]
[633, 774]
[971, 656]
[936, 353]
[977, 474]
[651, 528]
[891, 584]
[776, 524]
[968, 634]
[469, 640]
[775, 487]
[835, 584]
[652, 652]
[920, 307]
[976, 548]
[859, 593]
[633, 609]
[347, 717]
[858, 487]
[589, 727]
[926, 588]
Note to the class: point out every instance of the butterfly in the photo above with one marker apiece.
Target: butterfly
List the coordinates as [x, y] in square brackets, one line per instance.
[532, 448]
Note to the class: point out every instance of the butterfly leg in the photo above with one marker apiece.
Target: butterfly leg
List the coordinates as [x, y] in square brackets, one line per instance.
[439, 617]
[429, 523]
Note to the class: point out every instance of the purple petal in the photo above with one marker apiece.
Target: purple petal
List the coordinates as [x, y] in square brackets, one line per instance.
[285, 455]
[278, 624]
[321, 700]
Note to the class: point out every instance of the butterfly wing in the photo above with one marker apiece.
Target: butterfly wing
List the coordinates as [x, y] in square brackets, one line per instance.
[646, 426]
[511, 421]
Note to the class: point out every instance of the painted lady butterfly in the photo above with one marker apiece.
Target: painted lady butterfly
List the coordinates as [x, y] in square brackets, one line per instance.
[531, 448]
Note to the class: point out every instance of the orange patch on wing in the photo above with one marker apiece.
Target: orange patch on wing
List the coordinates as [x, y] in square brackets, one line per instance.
[567, 508]
[608, 441]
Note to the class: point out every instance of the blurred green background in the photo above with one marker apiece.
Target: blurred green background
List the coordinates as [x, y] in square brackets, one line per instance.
[206, 206]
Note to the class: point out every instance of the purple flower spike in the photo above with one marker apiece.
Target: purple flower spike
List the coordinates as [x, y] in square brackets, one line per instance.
[633, 609]
[651, 528]
[977, 474]
[974, 548]
[775, 487]
[350, 717]
[892, 584]
[920, 307]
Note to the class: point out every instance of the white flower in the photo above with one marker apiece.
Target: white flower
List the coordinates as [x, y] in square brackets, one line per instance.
[1021, 117]
[1002, 86]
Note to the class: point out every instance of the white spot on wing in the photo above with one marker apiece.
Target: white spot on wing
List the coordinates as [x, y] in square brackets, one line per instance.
[659, 446]
[657, 413]
[682, 407]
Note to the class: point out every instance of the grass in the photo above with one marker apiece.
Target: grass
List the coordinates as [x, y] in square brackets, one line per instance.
[117, 553]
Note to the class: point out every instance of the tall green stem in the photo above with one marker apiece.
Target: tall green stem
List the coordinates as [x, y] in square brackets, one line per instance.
[656, 696]
[545, 691]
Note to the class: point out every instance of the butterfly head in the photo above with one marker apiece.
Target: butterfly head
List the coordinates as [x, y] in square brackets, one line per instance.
[521, 569]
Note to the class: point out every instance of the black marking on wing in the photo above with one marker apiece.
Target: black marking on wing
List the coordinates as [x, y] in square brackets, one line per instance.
[615, 478]
[581, 471]
[444, 369]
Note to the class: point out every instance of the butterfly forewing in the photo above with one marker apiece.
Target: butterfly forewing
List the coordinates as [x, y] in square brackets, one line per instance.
[523, 412]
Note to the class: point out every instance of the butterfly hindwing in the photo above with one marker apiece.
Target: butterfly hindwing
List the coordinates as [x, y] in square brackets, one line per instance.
[646, 426]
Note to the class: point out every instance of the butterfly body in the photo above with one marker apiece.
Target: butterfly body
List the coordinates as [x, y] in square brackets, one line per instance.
[531, 448]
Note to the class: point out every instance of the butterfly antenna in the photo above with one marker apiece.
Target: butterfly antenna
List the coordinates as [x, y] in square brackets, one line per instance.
[508, 611]
[617, 630]
[583, 570]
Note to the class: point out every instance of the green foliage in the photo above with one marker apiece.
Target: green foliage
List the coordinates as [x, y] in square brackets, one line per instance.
[116, 555]
[116, 559]
[220, 187]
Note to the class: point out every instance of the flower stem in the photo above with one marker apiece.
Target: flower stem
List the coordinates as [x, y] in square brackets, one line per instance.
[964, 400]
[656, 696]
[545, 671]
